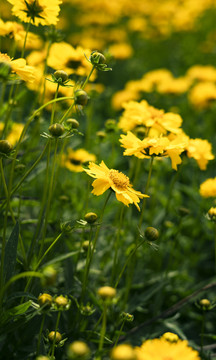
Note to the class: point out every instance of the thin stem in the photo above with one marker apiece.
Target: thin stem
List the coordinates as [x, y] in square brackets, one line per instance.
[117, 244]
[50, 192]
[47, 251]
[88, 77]
[54, 340]
[215, 244]
[103, 330]
[40, 333]
[146, 190]
[26, 34]
[202, 332]
[119, 334]
[54, 106]
[87, 266]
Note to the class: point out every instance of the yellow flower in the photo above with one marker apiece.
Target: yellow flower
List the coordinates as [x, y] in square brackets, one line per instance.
[44, 12]
[121, 51]
[202, 94]
[141, 113]
[75, 159]
[15, 133]
[163, 349]
[154, 146]
[208, 188]
[72, 60]
[109, 178]
[19, 67]
[201, 151]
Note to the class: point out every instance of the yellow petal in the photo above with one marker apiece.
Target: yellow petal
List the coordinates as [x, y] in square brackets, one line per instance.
[100, 186]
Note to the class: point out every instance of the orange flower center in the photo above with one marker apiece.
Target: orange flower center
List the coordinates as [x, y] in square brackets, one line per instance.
[119, 179]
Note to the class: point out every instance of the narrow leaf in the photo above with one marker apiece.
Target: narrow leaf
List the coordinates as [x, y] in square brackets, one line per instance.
[11, 253]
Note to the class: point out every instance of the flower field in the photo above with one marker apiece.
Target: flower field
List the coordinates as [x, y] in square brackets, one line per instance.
[107, 180]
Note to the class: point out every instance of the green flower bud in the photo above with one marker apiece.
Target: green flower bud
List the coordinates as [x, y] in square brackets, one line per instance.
[90, 217]
[97, 58]
[61, 76]
[5, 147]
[85, 245]
[42, 357]
[110, 125]
[101, 134]
[140, 132]
[73, 123]
[56, 130]
[151, 233]
[81, 97]
[52, 336]
[49, 276]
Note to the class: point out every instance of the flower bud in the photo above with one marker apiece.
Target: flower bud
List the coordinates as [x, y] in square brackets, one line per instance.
[110, 125]
[78, 350]
[56, 130]
[42, 357]
[85, 245]
[81, 97]
[151, 233]
[140, 132]
[183, 211]
[61, 302]
[171, 337]
[49, 275]
[123, 352]
[19, 168]
[90, 217]
[101, 134]
[212, 214]
[45, 300]
[97, 58]
[205, 304]
[107, 292]
[5, 147]
[57, 336]
[61, 76]
[73, 123]
[127, 317]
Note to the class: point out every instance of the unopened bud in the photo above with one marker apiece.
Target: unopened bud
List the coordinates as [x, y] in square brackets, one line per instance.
[97, 58]
[54, 337]
[61, 75]
[45, 300]
[123, 352]
[151, 233]
[56, 130]
[205, 304]
[81, 97]
[90, 217]
[73, 123]
[61, 302]
[107, 292]
[78, 350]
[5, 147]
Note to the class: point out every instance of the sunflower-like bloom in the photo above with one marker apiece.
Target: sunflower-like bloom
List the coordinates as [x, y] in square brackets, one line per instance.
[208, 188]
[19, 67]
[143, 114]
[109, 178]
[44, 12]
[155, 146]
[201, 151]
[75, 159]
[164, 348]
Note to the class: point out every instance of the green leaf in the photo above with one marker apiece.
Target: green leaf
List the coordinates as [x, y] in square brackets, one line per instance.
[11, 252]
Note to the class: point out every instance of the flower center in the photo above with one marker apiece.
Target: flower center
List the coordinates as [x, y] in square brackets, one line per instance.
[119, 179]
[33, 9]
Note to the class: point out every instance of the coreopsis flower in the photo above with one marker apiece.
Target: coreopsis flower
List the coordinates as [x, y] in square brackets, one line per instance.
[115, 180]
[75, 159]
[72, 60]
[174, 86]
[201, 151]
[202, 73]
[208, 188]
[165, 348]
[19, 67]
[43, 12]
[202, 94]
[143, 114]
[154, 146]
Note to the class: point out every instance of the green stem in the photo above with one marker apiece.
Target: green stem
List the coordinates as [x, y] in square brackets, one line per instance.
[88, 77]
[202, 332]
[87, 266]
[215, 244]
[49, 196]
[119, 334]
[54, 106]
[146, 190]
[117, 244]
[48, 250]
[54, 340]
[94, 246]
[40, 333]
[127, 262]
[26, 34]
[103, 330]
